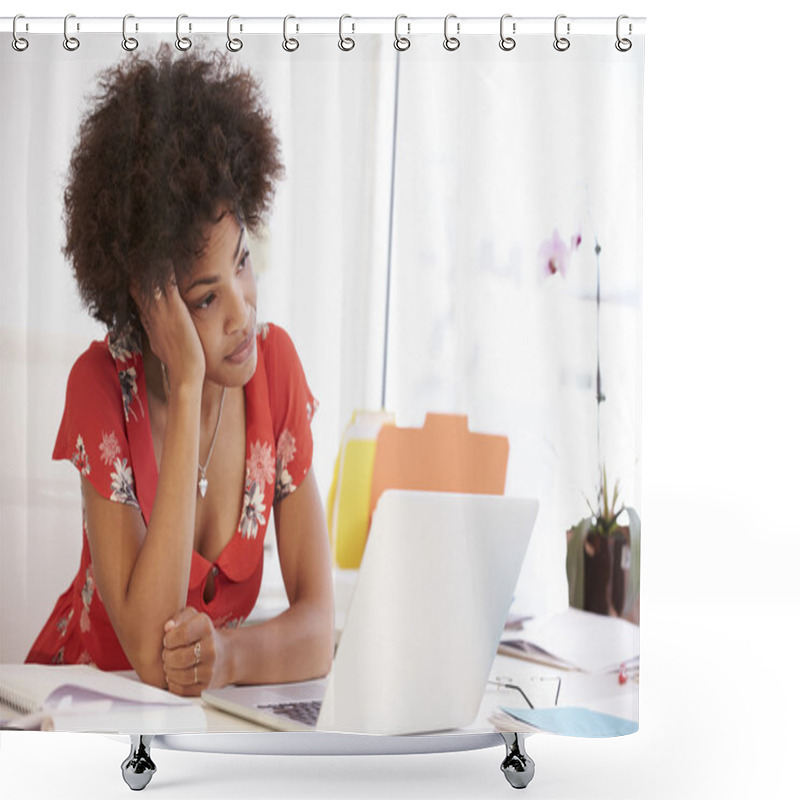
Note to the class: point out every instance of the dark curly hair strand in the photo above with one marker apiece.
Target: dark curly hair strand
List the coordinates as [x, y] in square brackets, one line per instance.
[165, 145]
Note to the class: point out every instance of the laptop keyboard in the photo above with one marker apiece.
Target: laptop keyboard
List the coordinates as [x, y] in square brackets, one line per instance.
[306, 712]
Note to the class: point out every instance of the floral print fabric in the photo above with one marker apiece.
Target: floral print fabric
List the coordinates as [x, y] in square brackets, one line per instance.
[105, 434]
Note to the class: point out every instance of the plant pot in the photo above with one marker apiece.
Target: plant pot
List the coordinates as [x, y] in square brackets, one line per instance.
[603, 572]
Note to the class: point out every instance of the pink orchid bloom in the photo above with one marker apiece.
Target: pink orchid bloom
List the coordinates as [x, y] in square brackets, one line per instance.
[554, 255]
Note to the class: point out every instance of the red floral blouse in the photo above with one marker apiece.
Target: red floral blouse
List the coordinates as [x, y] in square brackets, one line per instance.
[105, 433]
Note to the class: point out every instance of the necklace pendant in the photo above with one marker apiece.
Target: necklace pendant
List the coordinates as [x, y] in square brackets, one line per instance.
[202, 483]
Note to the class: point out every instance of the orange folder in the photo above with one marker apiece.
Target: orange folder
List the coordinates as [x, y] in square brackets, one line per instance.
[442, 456]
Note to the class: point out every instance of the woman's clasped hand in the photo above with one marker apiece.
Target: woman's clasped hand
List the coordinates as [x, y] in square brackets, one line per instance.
[193, 653]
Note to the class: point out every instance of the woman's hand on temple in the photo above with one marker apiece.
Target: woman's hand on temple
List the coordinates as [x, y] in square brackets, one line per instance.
[193, 653]
[172, 334]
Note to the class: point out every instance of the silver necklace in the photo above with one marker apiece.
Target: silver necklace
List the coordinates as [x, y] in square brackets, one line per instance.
[202, 482]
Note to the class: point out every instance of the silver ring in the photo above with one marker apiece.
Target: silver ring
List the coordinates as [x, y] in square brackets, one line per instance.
[183, 43]
[197, 652]
[233, 44]
[128, 42]
[507, 42]
[195, 675]
[289, 45]
[561, 43]
[18, 42]
[346, 43]
[451, 42]
[70, 42]
[401, 43]
[623, 45]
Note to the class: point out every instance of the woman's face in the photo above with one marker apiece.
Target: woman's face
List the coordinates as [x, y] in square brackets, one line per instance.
[220, 293]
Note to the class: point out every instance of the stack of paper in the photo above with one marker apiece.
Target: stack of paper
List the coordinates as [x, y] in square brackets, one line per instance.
[82, 698]
[578, 640]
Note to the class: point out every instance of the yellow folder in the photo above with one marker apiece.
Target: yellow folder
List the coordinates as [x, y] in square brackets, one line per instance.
[348, 506]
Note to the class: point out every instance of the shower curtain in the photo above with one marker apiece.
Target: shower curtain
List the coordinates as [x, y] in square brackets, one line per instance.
[458, 233]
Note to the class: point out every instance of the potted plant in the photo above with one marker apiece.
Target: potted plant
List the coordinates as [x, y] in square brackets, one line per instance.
[603, 558]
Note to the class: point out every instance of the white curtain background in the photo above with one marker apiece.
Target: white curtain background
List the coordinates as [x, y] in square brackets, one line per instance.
[496, 151]
[477, 157]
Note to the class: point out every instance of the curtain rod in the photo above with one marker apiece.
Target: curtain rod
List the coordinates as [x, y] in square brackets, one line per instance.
[462, 26]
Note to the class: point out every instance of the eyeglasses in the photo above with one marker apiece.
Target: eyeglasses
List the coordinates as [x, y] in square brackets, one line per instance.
[506, 683]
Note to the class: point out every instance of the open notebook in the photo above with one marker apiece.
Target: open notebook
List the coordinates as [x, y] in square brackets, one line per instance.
[421, 634]
[82, 698]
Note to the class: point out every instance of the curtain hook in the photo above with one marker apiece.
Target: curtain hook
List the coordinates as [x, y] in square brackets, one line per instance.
[507, 42]
[233, 44]
[623, 45]
[561, 43]
[129, 43]
[401, 42]
[18, 43]
[70, 42]
[183, 43]
[346, 43]
[289, 45]
[451, 42]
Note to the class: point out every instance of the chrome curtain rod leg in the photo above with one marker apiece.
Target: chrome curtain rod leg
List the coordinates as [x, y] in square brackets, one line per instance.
[138, 768]
[518, 766]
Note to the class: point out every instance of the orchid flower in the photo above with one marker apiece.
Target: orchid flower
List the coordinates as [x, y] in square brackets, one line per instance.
[554, 254]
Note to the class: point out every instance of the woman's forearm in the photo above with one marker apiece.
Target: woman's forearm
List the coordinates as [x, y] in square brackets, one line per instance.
[159, 580]
[296, 645]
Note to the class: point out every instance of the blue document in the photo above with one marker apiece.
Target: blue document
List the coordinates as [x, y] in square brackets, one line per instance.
[574, 721]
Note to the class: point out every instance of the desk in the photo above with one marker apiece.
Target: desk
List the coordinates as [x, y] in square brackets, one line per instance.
[540, 683]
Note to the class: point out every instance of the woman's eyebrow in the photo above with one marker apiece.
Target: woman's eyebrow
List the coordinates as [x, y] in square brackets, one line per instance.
[204, 281]
[210, 279]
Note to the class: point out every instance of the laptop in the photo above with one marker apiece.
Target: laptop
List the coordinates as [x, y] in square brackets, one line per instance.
[421, 634]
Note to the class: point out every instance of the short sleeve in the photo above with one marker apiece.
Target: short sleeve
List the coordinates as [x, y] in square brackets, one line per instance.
[292, 407]
[92, 435]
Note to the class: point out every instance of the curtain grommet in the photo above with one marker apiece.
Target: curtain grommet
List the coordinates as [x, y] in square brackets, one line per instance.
[183, 43]
[70, 43]
[451, 43]
[623, 44]
[346, 43]
[289, 44]
[129, 43]
[507, 43]
[19, 43]
[233, 44]
[561, 43]
[401, 43]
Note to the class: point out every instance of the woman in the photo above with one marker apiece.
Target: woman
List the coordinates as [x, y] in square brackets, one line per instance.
[190, 419]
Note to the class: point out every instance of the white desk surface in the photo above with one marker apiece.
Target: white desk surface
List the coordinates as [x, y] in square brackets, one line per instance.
[540, 683]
